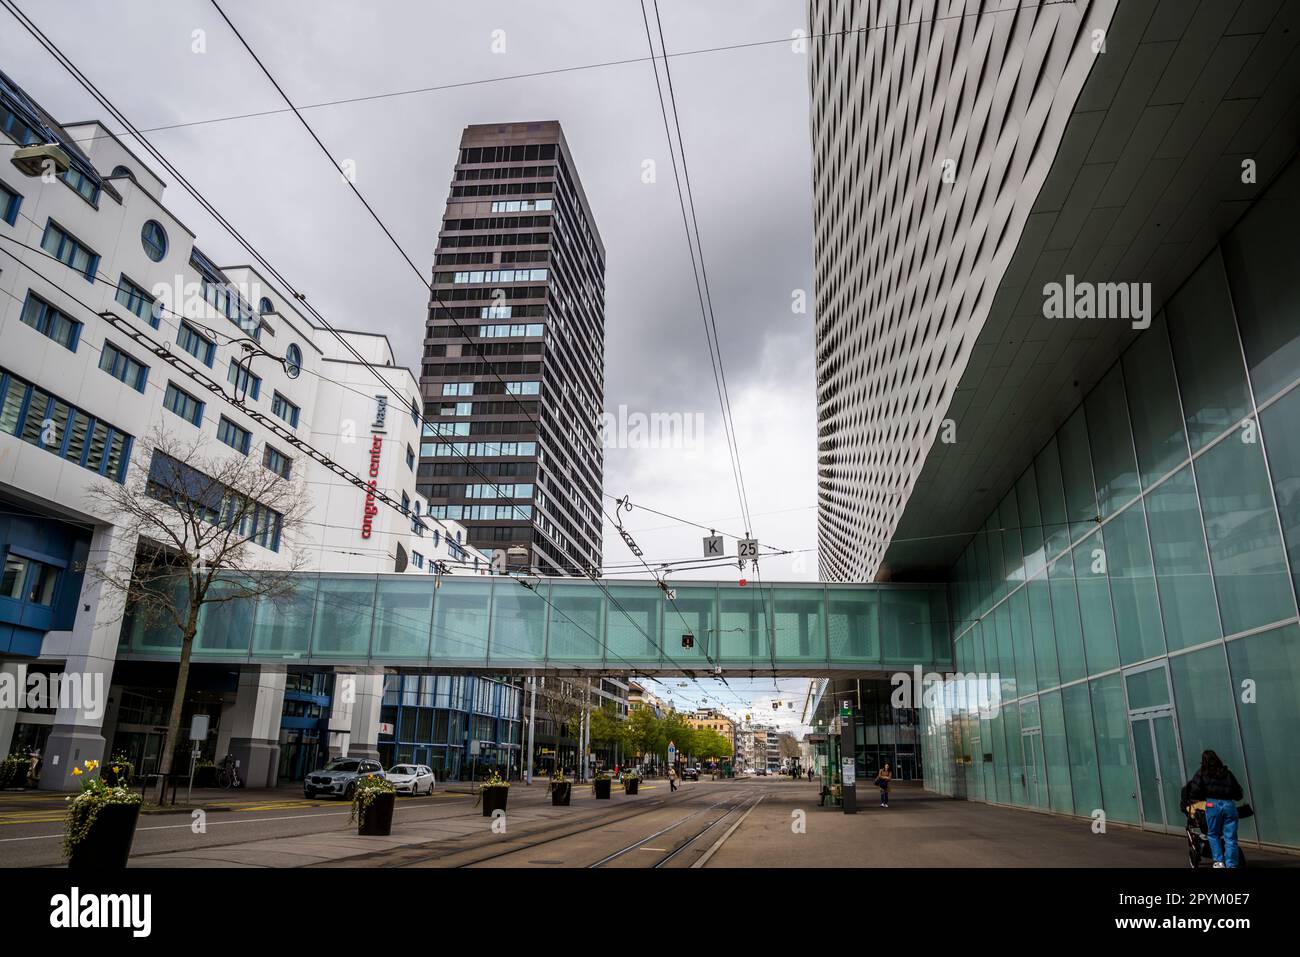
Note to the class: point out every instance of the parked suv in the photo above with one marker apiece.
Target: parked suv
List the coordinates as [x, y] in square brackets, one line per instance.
[339, 777]
[692, 774]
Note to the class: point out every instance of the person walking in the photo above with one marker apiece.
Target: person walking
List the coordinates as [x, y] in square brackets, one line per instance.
[882, 782]
[672, 781]
[1215, 784]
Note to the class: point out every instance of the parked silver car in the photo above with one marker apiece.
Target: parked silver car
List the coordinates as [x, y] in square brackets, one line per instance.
[339, 777]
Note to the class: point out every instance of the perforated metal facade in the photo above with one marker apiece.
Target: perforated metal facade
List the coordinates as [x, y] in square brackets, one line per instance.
[934, 126]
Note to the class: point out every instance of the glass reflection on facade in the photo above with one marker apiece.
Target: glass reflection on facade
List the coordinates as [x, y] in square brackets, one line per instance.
[1136, 588]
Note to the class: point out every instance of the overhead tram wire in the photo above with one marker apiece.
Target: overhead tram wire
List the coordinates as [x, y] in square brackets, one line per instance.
[488, 365]
[557, 71]
[708, 316]
[199, 376]
[117, 114]
[388, 233]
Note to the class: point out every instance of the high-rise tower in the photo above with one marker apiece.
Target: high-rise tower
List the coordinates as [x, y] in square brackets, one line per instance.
[514, 361]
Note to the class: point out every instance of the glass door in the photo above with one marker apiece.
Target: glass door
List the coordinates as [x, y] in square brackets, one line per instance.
[1159, 770]
[1035, 767]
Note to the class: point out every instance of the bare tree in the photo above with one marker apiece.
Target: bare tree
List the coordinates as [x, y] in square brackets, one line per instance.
[210, 526]
[562, 702]
[787, 745]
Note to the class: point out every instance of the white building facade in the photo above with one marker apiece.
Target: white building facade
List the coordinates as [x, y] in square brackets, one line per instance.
[114, 325]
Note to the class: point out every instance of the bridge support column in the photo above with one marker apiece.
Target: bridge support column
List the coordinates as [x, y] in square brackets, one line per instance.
[354, 716]
[255, 725]
[88, 651]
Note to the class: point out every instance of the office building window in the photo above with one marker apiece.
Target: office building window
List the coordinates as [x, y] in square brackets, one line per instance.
[68, 250]
[196, 344]
[235, 437]
[83, 185]
[284, 409]
[154, 239]
[47, 320]
[277, 462]
[138, 301]
[47, 422]
[243, 380]
[410, 458]
[9, 203]
[183, 404]
[121, 366]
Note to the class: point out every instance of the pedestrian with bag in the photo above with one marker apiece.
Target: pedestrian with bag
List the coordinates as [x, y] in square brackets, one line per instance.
[672, 780]
[1215, 784]
[882, 782]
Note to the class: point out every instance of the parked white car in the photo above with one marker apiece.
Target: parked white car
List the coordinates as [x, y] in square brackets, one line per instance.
[411, 778]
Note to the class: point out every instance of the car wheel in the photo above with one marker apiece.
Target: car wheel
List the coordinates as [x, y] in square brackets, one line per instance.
[308, 792]
[348, 791]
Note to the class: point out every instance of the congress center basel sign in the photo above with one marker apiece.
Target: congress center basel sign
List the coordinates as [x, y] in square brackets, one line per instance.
[376, 447]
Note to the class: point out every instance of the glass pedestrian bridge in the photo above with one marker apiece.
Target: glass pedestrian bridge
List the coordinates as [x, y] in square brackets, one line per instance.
[566, 625]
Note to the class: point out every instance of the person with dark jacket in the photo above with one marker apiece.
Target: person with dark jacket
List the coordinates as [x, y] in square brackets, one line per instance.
[1218, 788]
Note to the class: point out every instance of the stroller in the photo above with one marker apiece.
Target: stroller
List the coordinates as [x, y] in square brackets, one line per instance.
[1198, 842]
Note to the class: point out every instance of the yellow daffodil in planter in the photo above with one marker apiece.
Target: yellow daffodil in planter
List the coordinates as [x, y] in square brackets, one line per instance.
[100, 826]
[561, 790]
[372, 805]
[493, 793]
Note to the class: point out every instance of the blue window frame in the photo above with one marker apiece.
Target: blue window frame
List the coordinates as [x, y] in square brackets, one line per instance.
[277, 461]
[183, 404]
[138, 301]
[18, 128]
[293, 361]
[48, 321]
[69, 250]
[30, 413]
[10, 200]
[122, 366]
[410, 458]
[196, 344]
[154, 239]
[284, 409]
[84, 185]
[170, 480]
[237, 438]
[243, 380]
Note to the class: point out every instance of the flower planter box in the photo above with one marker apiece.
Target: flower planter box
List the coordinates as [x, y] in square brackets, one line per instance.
[601, 788]
[494, 799]
[630, 787]
[560, 794]
[107, 844]
[377, 819]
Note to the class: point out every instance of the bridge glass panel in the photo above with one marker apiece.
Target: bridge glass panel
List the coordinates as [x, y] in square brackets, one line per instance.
[283, 625]
[853, 623]
[460, 621]
[745, 621]
[799, 624]
[698, 606]
[403, 617]
[518, 624]
[634, 629]
[226, 622]
[577, 627]
[345, 608]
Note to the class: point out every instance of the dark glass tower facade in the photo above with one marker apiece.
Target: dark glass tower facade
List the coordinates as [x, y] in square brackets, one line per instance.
[514, 353]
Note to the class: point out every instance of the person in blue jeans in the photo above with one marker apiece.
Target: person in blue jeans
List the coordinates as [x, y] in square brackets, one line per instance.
[1215, 784]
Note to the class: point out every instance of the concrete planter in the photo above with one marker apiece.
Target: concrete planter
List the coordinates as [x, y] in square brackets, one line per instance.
[560, 793]
[601, 788]
[377, 819]
[107, 844]
[494, 799]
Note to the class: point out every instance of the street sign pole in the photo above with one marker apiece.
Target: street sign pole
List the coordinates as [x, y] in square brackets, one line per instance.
[848, 761]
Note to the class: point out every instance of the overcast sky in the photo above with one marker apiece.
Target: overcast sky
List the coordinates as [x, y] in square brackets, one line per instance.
[744, 119]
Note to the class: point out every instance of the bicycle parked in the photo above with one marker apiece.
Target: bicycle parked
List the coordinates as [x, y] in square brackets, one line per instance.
[228, 774]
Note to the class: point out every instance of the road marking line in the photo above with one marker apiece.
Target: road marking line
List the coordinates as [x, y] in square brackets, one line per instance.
[659, 849]
[731, 830]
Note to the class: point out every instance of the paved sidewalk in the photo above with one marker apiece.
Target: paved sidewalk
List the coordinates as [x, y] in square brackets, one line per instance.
[923, 829]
